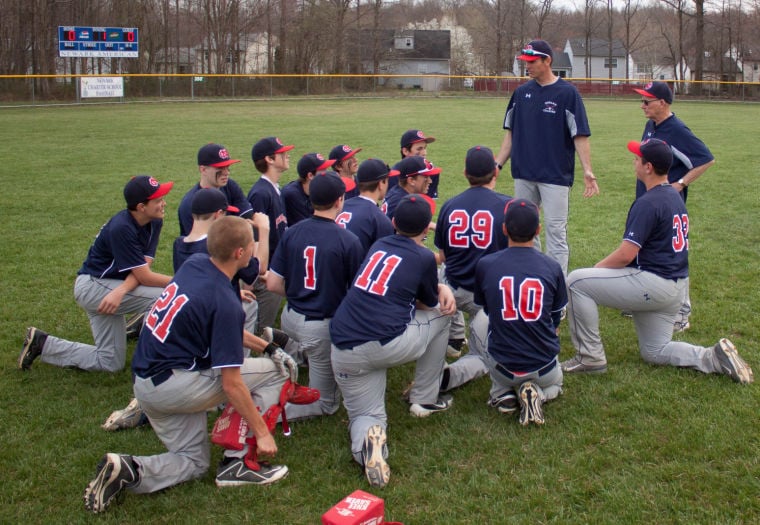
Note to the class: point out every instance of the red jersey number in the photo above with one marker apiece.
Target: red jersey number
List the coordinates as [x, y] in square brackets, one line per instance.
[480, 224]
[681, 230]
[166, 308]
[387, 264]
[526, 304]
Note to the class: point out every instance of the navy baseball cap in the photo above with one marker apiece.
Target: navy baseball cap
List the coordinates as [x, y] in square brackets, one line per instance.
[413, 136]
[413, 214]
[312, 163]
[536, 49]
[371, 170]
[655, 151]
[413, 166]
[521, 218]
[342, 152]
[215, 155]
[210, 200]
[267, 147]
[143, 188]
[657, 90]
[479, 161]
[325, 188]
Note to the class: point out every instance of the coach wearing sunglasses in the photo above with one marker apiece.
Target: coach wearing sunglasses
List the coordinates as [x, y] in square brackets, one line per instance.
[691, 158]
[546, 126]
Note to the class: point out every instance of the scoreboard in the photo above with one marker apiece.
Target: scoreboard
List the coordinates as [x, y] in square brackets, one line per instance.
[98, 42]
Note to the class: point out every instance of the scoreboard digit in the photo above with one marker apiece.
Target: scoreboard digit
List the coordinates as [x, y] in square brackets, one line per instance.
[99, 42]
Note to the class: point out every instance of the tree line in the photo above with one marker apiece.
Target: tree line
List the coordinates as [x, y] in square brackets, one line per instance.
[314, 36]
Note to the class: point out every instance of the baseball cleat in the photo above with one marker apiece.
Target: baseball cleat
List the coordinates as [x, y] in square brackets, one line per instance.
[233, 472]
[115, 473]
[576, 365]
[134, 325]
[531, 399]
[442, 404]
[34, 340]
[681, 326]
[129, 417]
[454, 350]
[374, 452]
[506, 403]
[731, 363]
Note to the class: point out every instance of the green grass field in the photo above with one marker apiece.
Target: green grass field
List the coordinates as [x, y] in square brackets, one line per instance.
[640, 444]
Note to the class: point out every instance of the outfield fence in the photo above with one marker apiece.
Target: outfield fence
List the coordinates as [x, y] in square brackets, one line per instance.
[67, 89]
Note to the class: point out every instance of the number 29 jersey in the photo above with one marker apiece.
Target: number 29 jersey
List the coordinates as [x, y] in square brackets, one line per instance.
[381, 302]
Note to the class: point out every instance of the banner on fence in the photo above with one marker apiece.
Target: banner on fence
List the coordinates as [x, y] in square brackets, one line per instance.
[98, 87]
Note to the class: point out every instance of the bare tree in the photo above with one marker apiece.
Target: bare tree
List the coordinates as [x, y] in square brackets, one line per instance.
[629, 12]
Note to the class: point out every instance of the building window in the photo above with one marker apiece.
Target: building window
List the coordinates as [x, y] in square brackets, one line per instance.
[644, 69]
[610, 63]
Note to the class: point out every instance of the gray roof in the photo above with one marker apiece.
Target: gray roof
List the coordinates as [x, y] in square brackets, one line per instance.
[428, 44]
[561, 60]
[598, 47]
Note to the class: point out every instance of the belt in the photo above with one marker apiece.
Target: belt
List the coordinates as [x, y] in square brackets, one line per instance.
[541, 371]
[308, 317]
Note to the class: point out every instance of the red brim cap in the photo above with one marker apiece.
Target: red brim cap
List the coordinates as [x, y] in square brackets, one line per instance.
[394, 173]
[635, 148]
[428, 140]
[529, 58]
[430, 201]
[162, 190]
[428, 172]
[351, 154]
[326, 164]
[224, 163]
[644, 93]
[233, 209]
[349, 182]
[285, 148]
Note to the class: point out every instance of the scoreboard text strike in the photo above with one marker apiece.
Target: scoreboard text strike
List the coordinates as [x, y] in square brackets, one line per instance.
[98, 42]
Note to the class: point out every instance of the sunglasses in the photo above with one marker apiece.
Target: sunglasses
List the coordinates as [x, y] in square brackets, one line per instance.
[533, 53]
[647, 102]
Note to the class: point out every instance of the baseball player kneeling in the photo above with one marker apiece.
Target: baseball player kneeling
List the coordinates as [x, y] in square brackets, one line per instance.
[181, 371]
[523, 293]
[395, 312]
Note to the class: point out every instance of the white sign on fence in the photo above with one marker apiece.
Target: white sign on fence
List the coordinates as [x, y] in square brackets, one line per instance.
[92, 87]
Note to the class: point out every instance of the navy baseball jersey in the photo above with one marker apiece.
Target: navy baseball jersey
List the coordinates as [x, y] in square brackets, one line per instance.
[363, 218]
[196, 324]
[297, 204]
[688, 151]
[265, 198]
[183, 250]
[392, 198]
[544, 120]
[120, 246]
[317, 259]
[658, 224]
[395, 274]
[521, 290]
[231, 190]
[469, 227]
[432, 189]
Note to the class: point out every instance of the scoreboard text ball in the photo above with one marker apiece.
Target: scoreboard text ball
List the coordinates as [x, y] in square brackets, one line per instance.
[99, 42]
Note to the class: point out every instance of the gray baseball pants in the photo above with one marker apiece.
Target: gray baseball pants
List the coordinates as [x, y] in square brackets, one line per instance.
[554, 202]
[654, 302]
[109, 331]
[361, 372]
[177, 409]
[268, 303]
[471, 365]
[313, 339]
